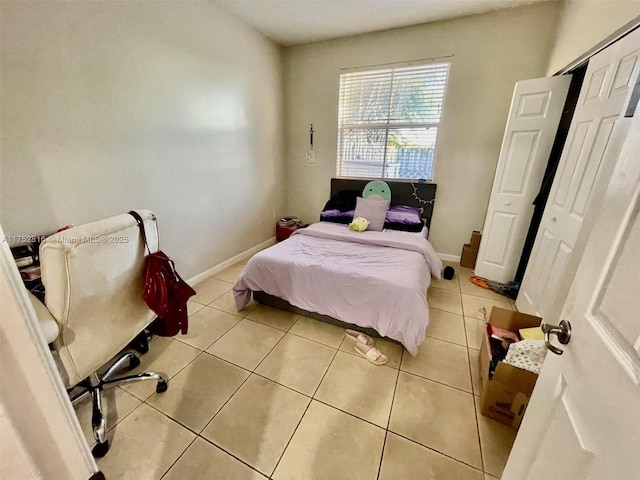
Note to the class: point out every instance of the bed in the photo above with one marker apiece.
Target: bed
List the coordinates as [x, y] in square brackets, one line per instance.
[371, 281]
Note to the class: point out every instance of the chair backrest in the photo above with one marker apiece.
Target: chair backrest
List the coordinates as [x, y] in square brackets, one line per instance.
[93, 287]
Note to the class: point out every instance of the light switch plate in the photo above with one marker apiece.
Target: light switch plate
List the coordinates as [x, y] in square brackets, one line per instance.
[311, 158]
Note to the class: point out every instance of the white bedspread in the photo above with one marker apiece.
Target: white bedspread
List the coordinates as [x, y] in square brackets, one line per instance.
[371, 279]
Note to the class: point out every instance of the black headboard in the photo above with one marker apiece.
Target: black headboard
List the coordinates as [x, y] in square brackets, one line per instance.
[402, 193]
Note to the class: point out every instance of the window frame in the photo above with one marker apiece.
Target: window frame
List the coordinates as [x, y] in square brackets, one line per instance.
[387, 126]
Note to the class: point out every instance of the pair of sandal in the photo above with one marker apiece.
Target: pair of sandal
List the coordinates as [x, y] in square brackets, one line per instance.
[363, 344]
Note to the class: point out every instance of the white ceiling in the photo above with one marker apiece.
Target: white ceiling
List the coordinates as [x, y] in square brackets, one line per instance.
[291, 22]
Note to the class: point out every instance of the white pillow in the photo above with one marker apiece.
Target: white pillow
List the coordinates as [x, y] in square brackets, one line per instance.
[373, 210]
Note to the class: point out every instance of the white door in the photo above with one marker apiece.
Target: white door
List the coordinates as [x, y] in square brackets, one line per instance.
[536, 108]
[610, 76]
[583, 421]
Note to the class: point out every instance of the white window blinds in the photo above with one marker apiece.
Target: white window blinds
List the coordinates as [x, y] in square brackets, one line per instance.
[388, 121]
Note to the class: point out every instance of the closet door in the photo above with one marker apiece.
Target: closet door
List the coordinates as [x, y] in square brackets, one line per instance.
[531, 128]
[610, 77]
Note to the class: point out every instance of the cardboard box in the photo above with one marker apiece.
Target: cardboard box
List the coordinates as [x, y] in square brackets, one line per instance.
[504, 397]
[468, 256]
[476, 236]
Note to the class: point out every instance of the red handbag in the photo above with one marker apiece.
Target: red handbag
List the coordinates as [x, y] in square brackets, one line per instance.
[164, 291]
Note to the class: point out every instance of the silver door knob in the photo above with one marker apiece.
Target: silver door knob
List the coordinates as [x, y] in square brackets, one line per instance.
[507, 203]
[562, 331]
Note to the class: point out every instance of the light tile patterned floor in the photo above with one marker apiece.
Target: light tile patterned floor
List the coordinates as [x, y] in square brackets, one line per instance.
[268, 394]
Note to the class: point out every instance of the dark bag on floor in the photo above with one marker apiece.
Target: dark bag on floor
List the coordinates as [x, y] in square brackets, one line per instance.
[164, 291]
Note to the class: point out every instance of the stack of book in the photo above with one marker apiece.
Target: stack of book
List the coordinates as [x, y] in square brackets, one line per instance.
[28, 263]
[288, 222]
[286, 226]
[31, 273]
[23, 256]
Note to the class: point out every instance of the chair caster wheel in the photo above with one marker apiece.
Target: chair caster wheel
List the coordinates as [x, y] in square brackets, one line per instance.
[134, 362]
[161, 386]
[101, 449]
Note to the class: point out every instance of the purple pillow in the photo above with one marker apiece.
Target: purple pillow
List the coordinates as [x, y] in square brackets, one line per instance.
[373, 210]
[404, 214]
[337, 213]
[398, 217]
[336, 216]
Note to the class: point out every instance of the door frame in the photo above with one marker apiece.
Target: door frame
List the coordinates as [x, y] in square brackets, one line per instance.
[623, 31]
[45, 438]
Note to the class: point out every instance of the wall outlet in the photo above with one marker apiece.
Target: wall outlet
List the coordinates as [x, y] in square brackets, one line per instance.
[311, 158]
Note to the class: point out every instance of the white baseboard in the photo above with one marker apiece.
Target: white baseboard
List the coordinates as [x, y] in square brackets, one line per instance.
[227, 263]
[447, 257]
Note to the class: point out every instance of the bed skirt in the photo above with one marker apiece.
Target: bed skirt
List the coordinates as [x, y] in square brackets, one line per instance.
[279, 303]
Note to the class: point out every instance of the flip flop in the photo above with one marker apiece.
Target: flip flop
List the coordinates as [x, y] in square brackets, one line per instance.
[358, 337]
[372, 354]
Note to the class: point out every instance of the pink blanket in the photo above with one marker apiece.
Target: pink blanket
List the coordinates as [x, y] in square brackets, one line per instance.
[371, 279]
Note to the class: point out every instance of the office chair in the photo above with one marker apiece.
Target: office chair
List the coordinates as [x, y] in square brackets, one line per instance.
[92, 276]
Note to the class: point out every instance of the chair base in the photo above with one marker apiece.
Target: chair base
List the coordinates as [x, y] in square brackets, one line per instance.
[141, 343]
[94, 385]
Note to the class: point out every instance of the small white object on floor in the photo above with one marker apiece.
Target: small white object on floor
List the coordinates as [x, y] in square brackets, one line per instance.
[358, 337]
[372, 354]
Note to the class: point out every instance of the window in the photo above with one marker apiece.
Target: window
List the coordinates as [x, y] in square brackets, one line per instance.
[388, 121]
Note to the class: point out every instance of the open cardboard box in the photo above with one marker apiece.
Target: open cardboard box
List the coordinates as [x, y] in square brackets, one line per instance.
[506, 395]
[469, 253]
[468, 256]
[476, 236]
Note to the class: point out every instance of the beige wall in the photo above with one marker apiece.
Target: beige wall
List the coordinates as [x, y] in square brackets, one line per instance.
[584, 24]
[492, 51]
[171, 106]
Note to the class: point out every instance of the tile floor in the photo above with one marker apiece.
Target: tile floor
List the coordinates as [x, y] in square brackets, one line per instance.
[264, 393]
